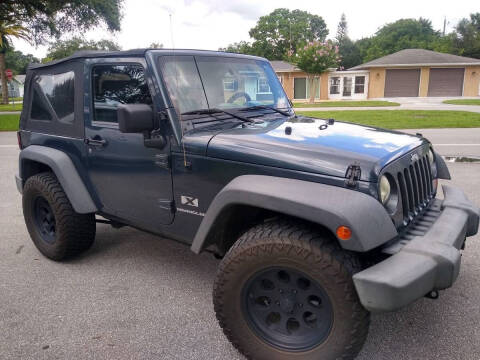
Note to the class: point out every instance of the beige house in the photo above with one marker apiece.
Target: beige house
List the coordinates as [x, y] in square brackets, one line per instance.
[407, 73]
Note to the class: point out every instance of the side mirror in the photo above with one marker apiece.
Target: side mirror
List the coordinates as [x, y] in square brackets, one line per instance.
[135, 118]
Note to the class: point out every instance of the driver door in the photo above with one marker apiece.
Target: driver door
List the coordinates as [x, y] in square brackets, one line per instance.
[133, 182]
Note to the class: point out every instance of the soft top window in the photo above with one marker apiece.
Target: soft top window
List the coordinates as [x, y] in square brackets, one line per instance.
[118, 84]
[54, 95]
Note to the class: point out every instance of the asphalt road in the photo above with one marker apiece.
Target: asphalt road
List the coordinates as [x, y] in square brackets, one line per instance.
[136, 296]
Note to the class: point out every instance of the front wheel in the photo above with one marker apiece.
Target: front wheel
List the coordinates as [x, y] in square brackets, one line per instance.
[285, 291]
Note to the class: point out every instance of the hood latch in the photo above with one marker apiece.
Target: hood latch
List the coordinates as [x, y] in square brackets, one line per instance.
[353, 175]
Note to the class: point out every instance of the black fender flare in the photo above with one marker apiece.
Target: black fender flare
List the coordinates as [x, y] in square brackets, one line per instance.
[64, 170]
[442, 168]
[327, 205]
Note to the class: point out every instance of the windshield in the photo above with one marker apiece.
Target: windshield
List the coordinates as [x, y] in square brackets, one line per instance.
[217, 82]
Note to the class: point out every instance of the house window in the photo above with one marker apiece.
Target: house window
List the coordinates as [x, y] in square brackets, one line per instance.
[300, 88]
[335, 85]
[230, 84]
[359, 84]
[263, 86]
[347, 86]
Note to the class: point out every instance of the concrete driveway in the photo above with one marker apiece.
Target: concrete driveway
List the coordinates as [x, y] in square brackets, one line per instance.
[416, 103]
[137, 296]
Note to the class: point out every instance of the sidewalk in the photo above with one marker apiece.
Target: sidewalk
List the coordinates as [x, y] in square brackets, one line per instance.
[441, 107]
[406, 104]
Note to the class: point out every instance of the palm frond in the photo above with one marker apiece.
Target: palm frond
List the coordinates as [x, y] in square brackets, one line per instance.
[9, 30]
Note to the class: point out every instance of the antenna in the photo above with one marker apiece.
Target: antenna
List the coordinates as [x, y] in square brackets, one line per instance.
[171, 31]
[176, 86]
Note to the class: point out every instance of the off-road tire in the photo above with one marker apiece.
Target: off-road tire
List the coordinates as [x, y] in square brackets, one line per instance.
[310, 250]
[74, 233]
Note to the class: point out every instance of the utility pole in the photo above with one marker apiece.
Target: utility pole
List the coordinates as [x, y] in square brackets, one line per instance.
[444, 25]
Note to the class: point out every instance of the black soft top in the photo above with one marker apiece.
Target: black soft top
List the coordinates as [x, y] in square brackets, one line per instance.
[85, 54]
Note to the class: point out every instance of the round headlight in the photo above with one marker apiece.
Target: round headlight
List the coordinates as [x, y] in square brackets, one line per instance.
[384, 189]
[431, 157]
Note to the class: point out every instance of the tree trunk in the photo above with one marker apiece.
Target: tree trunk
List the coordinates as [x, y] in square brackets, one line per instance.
[4, 78]
[311, 84]
[316, 84]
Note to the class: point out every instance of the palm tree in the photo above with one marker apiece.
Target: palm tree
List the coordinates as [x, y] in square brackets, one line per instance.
[8, 30]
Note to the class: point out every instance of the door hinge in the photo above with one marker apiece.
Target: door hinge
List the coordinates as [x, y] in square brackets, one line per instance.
[353, 175]
[163, 161]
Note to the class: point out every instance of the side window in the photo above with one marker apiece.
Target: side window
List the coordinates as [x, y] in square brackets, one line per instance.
[335, 85]
[54, 95]
[359, 84]
[117, 84]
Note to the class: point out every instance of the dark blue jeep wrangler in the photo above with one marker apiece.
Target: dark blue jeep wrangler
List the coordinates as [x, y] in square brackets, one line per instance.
[317, 222]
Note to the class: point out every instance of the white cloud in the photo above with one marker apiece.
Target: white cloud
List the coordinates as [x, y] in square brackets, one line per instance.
[210, 24]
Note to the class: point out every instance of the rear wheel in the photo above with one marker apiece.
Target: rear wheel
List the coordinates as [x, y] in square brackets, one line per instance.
[54, 226]
[285, 291]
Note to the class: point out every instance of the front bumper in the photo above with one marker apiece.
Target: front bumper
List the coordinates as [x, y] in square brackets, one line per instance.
[430, 261]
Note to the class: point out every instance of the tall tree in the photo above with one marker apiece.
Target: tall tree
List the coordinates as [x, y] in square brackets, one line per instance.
[316, 58]
[342, 29]
[283, 30]
[18, 61]
[51, 18]
[64, 48]
[349, 52]
[8, 30]
[241, 47]
[467, 36]
[399, 35]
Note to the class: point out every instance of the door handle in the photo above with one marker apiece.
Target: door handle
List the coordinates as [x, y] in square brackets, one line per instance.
[97, 141]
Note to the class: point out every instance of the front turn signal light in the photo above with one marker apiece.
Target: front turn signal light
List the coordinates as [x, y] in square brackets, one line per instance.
[344, 233]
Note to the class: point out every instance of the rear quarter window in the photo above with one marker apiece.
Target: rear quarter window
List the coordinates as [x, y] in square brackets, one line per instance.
[54, 95]
[54, 99]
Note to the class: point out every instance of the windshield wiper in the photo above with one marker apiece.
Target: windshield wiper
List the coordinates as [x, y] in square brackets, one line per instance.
[256, 107]
[214, 111]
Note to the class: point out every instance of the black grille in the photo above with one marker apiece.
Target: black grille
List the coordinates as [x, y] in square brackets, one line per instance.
[415, 186]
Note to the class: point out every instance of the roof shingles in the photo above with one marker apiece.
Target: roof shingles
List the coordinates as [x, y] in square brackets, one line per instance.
[418, 57]
[283, 66]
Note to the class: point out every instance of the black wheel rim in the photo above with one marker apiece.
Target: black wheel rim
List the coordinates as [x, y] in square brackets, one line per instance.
[287, 308]
[44, 219]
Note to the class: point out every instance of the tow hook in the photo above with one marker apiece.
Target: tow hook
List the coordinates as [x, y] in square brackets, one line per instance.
[434, 295]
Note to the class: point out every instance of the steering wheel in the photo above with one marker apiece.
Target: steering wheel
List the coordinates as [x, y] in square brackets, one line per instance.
[238, 95]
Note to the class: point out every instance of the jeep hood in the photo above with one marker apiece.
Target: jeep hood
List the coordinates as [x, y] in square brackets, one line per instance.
[301, 144]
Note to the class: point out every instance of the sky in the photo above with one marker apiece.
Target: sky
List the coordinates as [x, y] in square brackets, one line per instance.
[210, 24]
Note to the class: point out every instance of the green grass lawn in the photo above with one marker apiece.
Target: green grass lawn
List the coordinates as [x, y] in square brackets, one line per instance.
[463, 102]
[11, 107]
[341, 103]
[389, 119]
[403, 119]
[9, 122]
